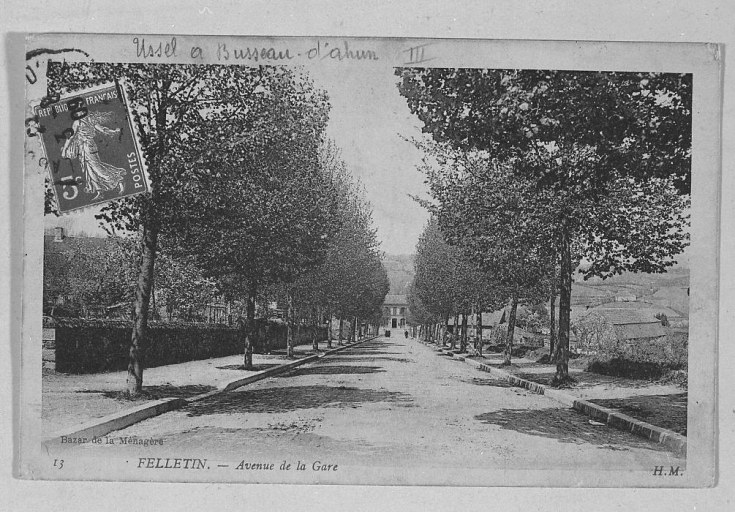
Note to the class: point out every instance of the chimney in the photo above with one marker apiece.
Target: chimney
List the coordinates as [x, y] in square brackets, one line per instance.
[59, 234]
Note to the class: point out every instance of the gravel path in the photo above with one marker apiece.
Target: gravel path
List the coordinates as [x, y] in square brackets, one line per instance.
[395, 406]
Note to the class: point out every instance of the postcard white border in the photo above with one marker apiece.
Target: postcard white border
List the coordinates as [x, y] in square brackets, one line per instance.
[626, 20]
[702, 60]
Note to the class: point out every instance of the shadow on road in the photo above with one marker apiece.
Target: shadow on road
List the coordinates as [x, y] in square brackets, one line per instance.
[255, 367]
[368, 358]
[292, 398]
[334, 370]
[156, 392]
[372, 352]
[487, 382]
[566, 426]
[586, 380]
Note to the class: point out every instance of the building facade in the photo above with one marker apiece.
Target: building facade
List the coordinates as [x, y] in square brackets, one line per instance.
[395, 310]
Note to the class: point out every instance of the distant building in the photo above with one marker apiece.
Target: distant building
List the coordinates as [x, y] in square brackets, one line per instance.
[625, 297]
[395, 309]
[586, 295]
[651, 307]
[632, 324]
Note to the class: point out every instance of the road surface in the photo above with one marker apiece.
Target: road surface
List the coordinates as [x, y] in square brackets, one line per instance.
[395, 405]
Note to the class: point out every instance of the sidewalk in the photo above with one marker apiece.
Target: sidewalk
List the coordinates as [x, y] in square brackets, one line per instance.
[70, 399]
[661, 404]
[649, 408]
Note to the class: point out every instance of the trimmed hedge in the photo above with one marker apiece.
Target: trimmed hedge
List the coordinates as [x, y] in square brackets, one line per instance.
[99, 345]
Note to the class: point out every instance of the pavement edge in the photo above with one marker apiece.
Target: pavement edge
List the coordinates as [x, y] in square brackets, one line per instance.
[670, 439]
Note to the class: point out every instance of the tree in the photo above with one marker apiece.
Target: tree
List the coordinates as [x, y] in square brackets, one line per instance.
[261, 209]
[183, 114]
[418, 315]
[351, 282]
[433, 283]
[180, 286]
[595, 333]
[485, 211]
[86, 273]
[447, 283]
[598, 147]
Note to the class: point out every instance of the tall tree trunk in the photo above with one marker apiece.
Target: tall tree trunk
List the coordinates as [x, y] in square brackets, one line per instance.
[565, 301]
[341, 327]
[250, 326]
[511, 329]
[140, 308]
[290, 318]
[445, 331]
[353, 336]
[329, 329]
[455, 331]
[552, 321]
[478, 331]
[463, 341]
[154, 315]
[315, 330]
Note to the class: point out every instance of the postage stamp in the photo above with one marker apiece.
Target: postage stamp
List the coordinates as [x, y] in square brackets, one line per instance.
[370, 261]
[89, 143]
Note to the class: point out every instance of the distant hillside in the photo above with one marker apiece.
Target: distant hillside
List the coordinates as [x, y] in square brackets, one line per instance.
[400, 272]
[678, 276]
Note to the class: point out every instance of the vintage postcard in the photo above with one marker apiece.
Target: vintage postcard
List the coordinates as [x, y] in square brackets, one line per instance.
[370, 261]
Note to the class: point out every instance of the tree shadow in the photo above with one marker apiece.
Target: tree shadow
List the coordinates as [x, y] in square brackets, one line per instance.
[487, 382]
[666, 411]
[359, 352]
[155, 392]
[565, 426]
[362, 359]
[292, 398]
[334, 370]
[587, 380]
[283, 353]
[255, 367]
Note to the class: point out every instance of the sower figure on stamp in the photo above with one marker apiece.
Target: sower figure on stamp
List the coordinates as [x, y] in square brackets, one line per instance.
[98, 176]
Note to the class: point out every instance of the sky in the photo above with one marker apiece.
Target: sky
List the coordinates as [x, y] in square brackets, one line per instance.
[368, 121]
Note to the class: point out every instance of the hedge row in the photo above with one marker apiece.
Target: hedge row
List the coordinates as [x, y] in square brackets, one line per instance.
[99, 345]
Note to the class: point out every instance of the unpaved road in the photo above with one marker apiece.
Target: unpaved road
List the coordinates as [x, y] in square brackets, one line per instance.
[395, 408]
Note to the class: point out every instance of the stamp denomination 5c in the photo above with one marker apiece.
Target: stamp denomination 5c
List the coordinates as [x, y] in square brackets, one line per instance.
[91, 149]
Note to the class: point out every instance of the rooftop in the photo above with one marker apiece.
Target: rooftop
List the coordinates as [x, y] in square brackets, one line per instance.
[398, 300]
[623, 316]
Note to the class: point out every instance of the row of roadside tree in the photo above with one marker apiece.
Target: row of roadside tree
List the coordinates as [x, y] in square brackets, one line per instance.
[533, 172]
[245, 190]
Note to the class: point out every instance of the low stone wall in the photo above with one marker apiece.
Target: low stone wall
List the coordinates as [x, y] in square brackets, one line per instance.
[48, 349]
[90, 345]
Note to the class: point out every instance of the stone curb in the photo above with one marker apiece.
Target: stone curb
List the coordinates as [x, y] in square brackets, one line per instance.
[102, 426]
[671, 440]
[119, 420]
